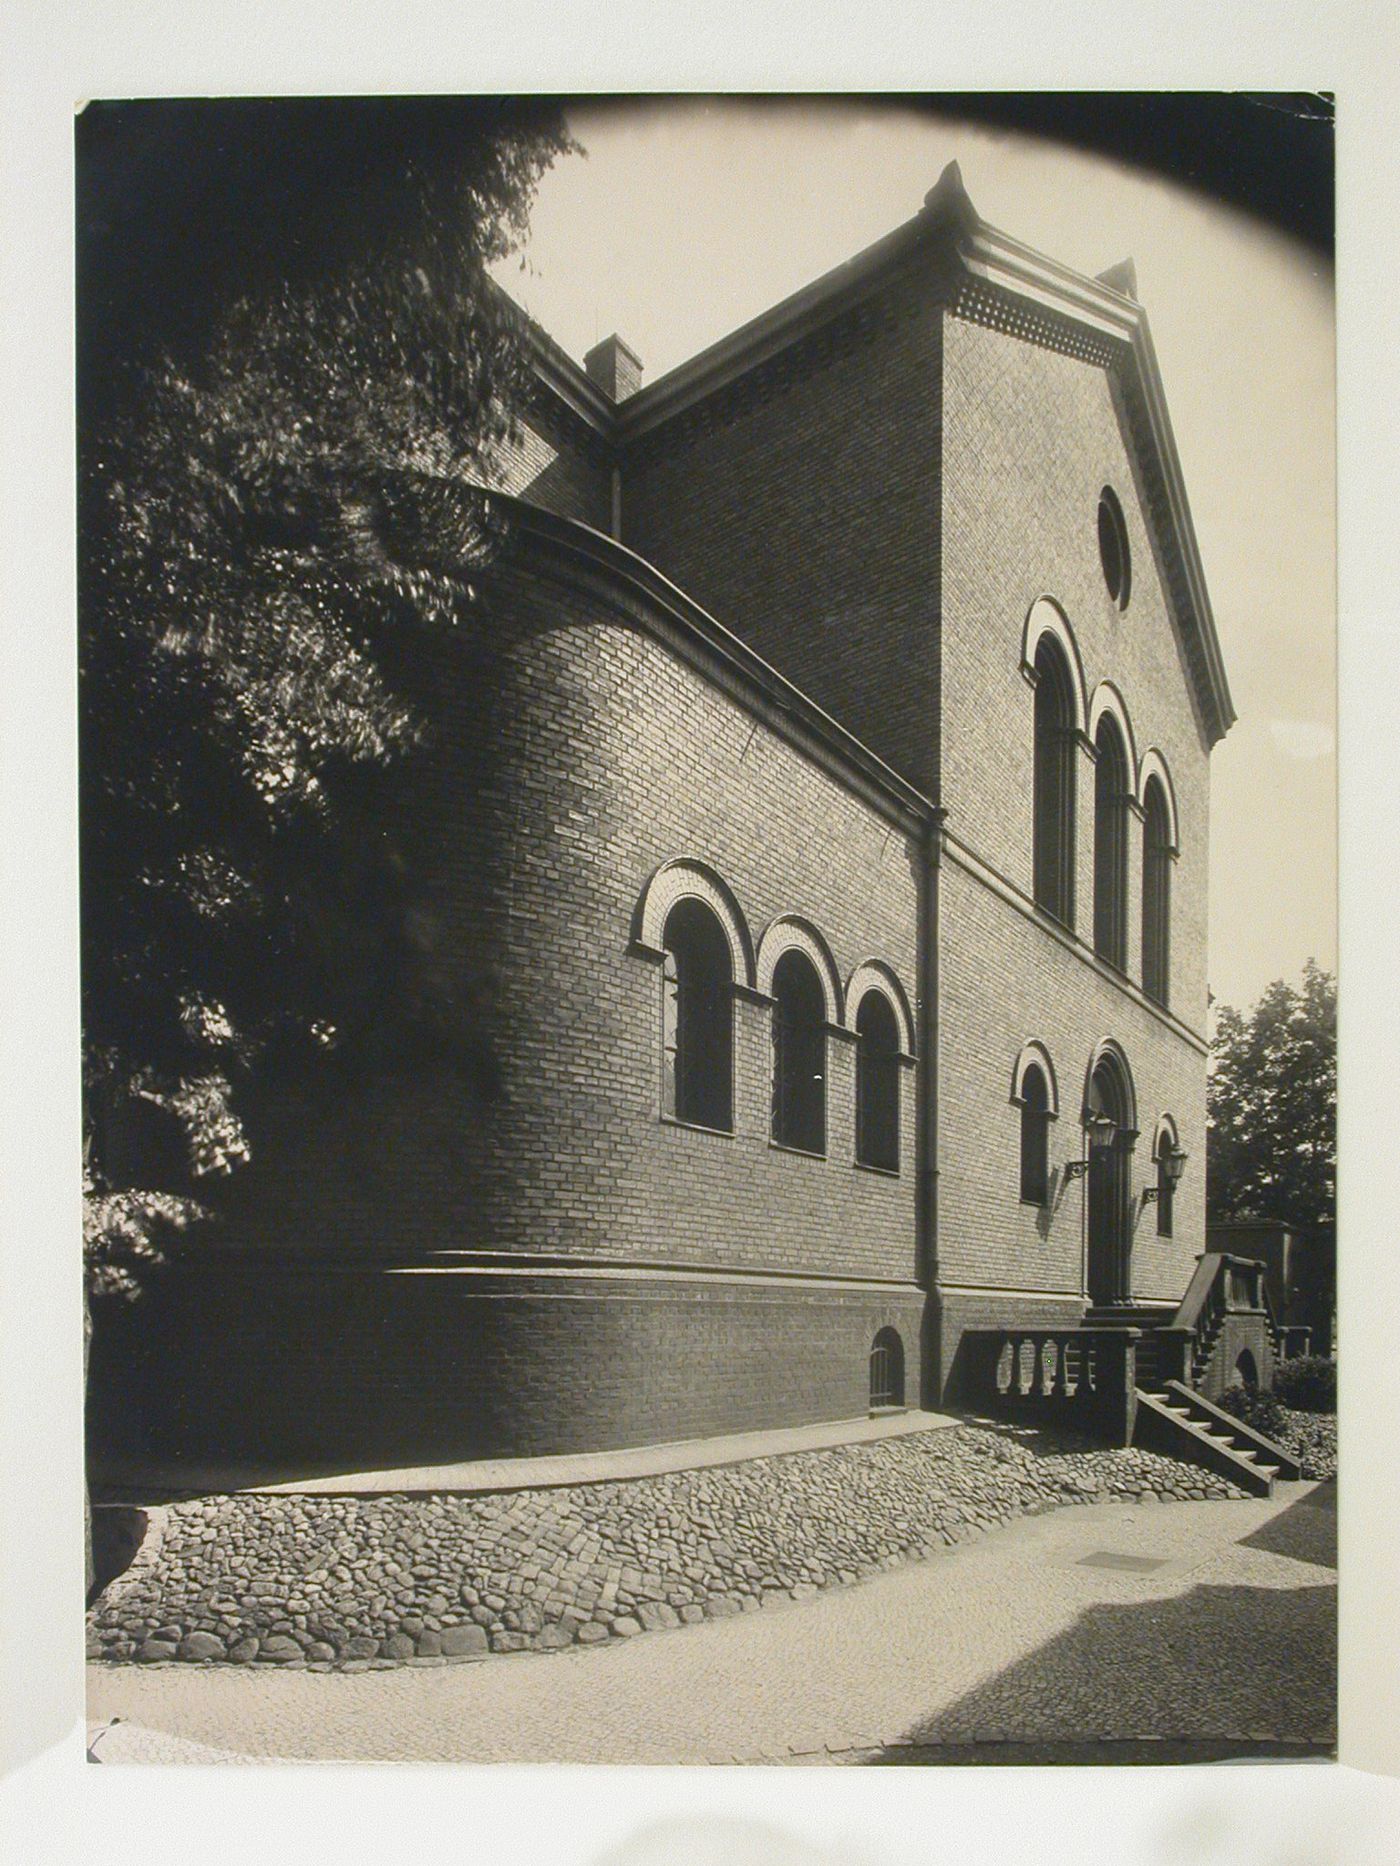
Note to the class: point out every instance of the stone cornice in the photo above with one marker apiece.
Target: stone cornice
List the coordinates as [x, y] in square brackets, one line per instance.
[629, 583]
[561, 377]
[981, 870]
[503, 1267]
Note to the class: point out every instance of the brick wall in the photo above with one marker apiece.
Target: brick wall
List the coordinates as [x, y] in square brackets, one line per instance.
[302, 1368]
[613, 758]
[1030, 437]
[558, 464]
[1002, 981]
[574, 753]
[800, 507]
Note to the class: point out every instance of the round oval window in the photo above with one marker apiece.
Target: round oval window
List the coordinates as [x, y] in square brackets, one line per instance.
[1113, 548]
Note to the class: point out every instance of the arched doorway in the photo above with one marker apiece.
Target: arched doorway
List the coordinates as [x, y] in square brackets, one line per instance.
[1109, 1117]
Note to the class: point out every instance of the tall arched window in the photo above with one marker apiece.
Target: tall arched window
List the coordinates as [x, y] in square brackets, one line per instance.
[799, 1054]
[1054, 783]
[697, 1018]
[1035, 1137]
[877, 1083]
[1156, 893]
[1111, 845]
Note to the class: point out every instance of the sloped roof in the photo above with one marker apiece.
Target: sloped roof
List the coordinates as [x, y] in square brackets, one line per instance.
[1096, 318]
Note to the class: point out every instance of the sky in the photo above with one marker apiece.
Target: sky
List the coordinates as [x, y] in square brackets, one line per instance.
[683, 220]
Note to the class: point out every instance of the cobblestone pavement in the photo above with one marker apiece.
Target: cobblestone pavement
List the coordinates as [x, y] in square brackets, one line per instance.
[375, 1580]
[1170, 1623]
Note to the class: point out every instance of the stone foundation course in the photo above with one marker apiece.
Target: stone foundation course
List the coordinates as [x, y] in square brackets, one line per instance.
[326, 1582]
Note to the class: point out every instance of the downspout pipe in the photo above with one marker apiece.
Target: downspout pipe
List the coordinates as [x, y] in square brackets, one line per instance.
[927, 1075]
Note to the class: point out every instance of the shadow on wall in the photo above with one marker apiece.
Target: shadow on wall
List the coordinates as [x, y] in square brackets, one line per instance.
[117, 1535]
[1217, 1665]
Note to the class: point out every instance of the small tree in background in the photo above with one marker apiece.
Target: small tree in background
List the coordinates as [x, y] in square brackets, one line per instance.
[293, 371]
[1272, 1106]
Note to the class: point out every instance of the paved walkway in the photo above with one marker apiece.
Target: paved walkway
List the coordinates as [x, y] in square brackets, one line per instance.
[492, 1474]
[1212, 1622]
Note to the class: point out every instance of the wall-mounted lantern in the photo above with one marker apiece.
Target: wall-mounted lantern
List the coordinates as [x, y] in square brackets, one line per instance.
[1101, 1131]
[1173, 1165]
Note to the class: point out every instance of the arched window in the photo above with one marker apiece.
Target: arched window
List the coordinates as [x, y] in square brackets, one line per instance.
[1111, 845]
[799, 1054]
[697, 1018]
[887, 1369]
[1035, 1137]
[1054, 782]
[1156, 893]
[877, 1083]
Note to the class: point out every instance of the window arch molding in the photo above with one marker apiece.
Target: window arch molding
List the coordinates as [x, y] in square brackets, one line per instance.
[1165, 1132]
[1108, 702]
[1154, 765]
[1111, 1051]
[875, 975]
[1034, 1055]
[683, 879]
[790, 933]
[1045, 617]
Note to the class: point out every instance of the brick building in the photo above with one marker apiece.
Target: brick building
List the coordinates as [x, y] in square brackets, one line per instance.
[827, 794]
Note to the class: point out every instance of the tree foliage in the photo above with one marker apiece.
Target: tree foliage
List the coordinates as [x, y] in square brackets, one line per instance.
[293, 376]
[1273, 1106]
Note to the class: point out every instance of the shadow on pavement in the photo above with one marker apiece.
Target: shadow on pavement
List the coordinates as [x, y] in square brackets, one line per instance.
[1306, 1530]
[1222, 1665]
[1137, 1752]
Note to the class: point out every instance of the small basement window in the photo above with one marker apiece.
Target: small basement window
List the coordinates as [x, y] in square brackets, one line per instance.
[1113, 548]
[887, 1370]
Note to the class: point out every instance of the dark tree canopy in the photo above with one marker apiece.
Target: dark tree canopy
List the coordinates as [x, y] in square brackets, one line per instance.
[1273, 1106]
[293, 372]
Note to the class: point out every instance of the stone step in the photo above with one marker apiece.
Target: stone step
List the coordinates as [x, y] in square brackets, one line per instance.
[1211, 1429]
[1168, 1425]
[1244, 1443]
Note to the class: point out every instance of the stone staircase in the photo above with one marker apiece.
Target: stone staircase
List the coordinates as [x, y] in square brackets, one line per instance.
[1179, 1422]
[1129, 1374]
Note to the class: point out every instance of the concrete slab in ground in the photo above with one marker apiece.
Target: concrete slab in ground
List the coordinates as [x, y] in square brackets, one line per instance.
[482, 1474]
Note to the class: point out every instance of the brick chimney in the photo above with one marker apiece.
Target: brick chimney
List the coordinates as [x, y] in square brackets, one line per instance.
[616, 369]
